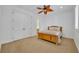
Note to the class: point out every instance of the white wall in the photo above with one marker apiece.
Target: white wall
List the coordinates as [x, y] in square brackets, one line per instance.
[65, 19]
[16, 23]
[0, 25]
[5, 24]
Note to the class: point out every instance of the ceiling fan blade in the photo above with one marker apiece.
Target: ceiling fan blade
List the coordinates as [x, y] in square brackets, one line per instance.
[40, 12]
[44, 6]
[39, 8]
[49, 10]
[45, 12]
[48, 6]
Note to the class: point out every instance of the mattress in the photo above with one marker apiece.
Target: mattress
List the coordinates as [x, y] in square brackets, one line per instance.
[50, 32]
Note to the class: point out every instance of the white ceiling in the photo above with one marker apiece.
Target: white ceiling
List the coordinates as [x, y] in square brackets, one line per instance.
[56, 8]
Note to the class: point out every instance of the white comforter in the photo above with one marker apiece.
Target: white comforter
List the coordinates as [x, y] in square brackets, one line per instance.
[58, 33]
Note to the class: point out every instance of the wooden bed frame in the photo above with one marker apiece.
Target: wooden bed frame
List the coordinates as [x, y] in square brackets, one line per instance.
[49, 37]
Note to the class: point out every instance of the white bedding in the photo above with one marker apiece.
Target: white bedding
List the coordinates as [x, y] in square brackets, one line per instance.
[52, 32]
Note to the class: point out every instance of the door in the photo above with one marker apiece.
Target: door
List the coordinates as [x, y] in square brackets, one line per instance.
[17, 25]
[23, 25]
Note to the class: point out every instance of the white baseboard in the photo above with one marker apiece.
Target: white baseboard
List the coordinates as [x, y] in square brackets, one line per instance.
[16, 39]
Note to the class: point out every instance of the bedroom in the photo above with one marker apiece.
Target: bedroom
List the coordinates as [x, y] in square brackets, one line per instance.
[20, 21]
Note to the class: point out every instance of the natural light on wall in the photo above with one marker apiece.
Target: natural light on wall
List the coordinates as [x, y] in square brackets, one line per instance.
[76, 17]
[37, 27]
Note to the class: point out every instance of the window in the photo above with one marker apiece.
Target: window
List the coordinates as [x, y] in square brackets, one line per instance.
[76, 17]
[37, 27]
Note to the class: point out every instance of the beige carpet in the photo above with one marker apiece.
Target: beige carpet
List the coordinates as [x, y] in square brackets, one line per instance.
[34, 45]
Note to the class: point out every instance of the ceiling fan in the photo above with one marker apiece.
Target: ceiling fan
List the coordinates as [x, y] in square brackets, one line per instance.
[45, 9]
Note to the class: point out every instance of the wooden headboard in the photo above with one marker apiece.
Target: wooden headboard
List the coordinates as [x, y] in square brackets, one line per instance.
[55, 27]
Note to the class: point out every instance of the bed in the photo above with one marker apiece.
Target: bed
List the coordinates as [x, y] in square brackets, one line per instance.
[52, 34]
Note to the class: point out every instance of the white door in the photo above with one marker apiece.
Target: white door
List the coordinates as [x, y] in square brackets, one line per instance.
[23, 25]
[18, 23]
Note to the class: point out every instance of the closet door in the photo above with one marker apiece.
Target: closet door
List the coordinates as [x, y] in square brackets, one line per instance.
[29, 27]
[23, 25]
[18, 23]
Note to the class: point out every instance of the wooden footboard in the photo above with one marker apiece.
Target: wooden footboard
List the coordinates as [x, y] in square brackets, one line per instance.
[48, 37]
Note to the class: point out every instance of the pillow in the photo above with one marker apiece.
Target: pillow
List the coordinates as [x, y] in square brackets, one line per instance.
[54, 28]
